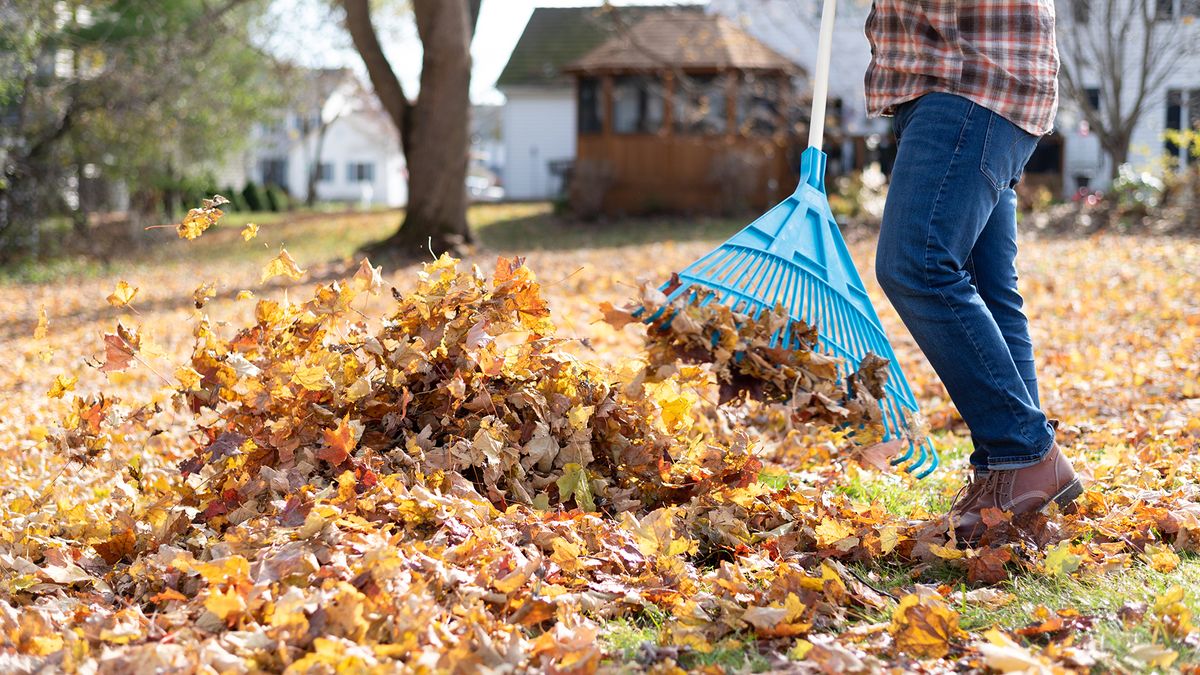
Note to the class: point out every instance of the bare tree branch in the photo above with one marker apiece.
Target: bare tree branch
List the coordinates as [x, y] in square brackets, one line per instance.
[383, 78]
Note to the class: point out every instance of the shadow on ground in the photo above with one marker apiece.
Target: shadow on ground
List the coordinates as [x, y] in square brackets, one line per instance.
[547, 231]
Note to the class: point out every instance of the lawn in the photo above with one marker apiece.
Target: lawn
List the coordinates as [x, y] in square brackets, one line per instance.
[1116, 324]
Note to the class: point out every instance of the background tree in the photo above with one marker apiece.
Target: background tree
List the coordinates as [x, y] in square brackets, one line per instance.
[1125, 49]
[434, 128]
[319, 97]
[148, 93]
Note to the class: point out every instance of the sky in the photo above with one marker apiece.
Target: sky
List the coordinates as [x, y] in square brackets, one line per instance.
[309, 32]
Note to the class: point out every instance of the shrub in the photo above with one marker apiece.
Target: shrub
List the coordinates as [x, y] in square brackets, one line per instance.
[276, 199]
[253, 198]
[590, 182]
[237, 202]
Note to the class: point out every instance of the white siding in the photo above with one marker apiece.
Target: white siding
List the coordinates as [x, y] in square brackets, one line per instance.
[359, 138]
[1083, 154]
[790, 27]
[539, 128]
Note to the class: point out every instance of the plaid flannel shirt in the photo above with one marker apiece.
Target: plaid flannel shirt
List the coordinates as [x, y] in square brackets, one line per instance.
[1001, 54]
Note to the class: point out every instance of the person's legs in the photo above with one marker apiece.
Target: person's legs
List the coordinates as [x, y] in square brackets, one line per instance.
[993, 270]
[955, 158]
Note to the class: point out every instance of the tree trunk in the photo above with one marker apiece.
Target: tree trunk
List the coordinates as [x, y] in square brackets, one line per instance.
[434, 131]
[1118, 154]
[314, 169]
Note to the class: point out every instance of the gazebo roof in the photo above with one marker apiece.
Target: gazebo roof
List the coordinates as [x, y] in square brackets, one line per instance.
[556, 36]
[688, 41]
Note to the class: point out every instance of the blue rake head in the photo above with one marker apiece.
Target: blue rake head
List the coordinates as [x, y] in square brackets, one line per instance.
[794, 255]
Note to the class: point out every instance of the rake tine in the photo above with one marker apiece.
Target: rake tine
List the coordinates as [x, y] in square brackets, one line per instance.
[920, 459]
[935, 460]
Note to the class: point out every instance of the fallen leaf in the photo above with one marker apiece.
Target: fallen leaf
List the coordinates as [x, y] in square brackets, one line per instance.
[282, 265]
[122, 295]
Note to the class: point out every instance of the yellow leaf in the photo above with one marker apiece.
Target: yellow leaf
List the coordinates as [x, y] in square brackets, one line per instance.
[230, 569]
[565, 554]
[800, 650]
[282, 265]
[43, 325]
[225, 604]
[1153, 656]
[313, 378]
[189, 379]
[203, 294]
[946, 552]
[924, 625]
[245, 295]
[122, 295]
[675, 403]
[1161, 557]
[574, 483]
[198, 220]
[44, 645]
[830, 531]
[61, 385]
[1002, 654]
[889, 536]
[250, 231]
[579, 416]
[1060, 561]
[368, 278]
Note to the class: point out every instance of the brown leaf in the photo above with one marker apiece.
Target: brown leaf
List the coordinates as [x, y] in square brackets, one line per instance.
[340, 443]
[987, 566]
[119, 349]
[117, 547]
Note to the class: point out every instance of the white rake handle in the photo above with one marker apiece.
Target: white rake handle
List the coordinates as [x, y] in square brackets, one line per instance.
[816, 128]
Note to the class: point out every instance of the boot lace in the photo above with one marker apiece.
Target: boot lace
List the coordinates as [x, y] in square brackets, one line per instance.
[967, 493]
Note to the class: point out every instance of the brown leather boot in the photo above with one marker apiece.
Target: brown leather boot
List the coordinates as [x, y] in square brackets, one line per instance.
[1016, 490]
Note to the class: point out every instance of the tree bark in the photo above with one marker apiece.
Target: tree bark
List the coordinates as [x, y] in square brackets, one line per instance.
[434, 131]
[314, 167]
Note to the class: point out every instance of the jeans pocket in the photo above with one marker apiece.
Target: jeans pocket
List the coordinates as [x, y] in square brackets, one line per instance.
[1006, 149]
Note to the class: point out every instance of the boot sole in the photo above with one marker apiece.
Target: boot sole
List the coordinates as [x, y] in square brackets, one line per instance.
[1069, 493]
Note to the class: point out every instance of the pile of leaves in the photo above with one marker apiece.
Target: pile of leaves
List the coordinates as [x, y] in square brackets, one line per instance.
[448, 488]
[768, 358]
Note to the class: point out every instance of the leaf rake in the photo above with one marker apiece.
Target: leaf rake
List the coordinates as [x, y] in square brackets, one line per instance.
[794, 255]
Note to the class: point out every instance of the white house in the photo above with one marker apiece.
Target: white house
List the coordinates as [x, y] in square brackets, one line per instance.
[1172, 100]
[540, 110]
[1069, 158]
[360, 159]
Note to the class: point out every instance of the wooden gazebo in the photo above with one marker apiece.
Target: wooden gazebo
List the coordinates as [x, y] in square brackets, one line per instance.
[686, 113]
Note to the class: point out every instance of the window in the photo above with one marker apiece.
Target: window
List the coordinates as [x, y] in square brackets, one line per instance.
[590, 106]
[1183, 112]
[700, 105]
[1165, 10]
[1093, 98]
[760, 104]
[325, 172]
[637, 105]
[273, 171]
[360, 172]
[1080, 10]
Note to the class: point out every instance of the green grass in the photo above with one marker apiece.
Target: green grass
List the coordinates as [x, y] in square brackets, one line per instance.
[626, 642]
[1099, 596]
[534, 226]
[321, 235]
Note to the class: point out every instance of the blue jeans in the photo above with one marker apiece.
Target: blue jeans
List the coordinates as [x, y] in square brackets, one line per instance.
[946, 260]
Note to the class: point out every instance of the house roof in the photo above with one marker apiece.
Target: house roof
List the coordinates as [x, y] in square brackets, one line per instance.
[555, 36]
[691, 40]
